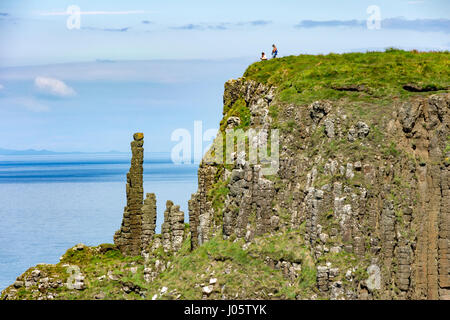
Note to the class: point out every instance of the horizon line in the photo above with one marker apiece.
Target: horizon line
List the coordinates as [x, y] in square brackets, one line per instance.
[112, 61]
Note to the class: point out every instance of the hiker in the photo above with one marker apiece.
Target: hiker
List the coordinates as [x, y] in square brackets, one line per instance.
[263, 56]
[274, 51]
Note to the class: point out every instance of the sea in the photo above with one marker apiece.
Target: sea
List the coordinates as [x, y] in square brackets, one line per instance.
[49, 203]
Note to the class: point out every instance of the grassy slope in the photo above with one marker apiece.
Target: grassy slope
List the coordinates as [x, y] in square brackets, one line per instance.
[306, 78]
[240, 273]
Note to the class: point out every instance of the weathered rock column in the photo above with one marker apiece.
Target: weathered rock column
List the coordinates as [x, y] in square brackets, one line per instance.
[200, 208]
[148, 219]
[193, 219]
[128, 238]
[172, 230]
[177, 227]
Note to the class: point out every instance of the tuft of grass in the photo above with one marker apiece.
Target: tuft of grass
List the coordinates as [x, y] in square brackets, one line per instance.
[286, 246]
[391, 150]
[239, 109]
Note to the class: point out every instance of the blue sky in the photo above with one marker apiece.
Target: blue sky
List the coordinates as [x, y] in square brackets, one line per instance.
[156, 66]
[203, 29]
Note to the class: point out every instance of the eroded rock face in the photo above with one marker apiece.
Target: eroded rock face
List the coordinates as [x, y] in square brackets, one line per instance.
[200, 207]
[387, 206]
[248, 209]
[425, 124]
[319, 109]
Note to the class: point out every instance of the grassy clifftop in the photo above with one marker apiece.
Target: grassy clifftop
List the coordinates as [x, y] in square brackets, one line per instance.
[358, 76]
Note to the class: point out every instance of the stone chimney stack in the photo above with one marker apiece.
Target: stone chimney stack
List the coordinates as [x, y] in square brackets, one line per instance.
[137, 231]
[128, 238]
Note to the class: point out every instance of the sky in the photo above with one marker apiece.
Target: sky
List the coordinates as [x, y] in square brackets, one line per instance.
[155, 66]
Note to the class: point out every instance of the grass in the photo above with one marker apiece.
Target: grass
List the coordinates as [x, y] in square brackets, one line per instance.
[285, 246]
[239, 109]
[236, 271]
[249, 270]
[218, 193]
[391, 150]
[93, 262]
[305, 78]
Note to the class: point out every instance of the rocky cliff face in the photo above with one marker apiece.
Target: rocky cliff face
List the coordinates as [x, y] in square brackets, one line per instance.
[371, 185]
[249, 193]
[356, 208]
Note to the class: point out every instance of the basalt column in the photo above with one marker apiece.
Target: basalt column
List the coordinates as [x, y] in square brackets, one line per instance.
[128, 238]
[172, 229]
[148, 219]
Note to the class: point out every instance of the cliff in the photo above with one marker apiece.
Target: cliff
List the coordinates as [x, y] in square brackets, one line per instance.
[350, 202]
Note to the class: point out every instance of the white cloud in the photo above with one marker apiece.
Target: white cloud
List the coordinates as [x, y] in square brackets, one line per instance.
[63, 13]
[1, 87]
[24, 103]
[54, 87]
[33, 105]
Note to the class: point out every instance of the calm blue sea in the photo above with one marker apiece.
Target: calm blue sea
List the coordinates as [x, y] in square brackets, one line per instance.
[50, 203]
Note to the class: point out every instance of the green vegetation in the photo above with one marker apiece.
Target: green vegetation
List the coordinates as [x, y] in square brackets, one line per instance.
[217, 195]
[237, 109]
[380, 75]
[391, 150]
[286, 246]
[239, 274]
[273, 113]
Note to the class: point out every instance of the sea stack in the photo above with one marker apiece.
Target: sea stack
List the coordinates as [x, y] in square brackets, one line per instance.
[137, 231]
[129, 237]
